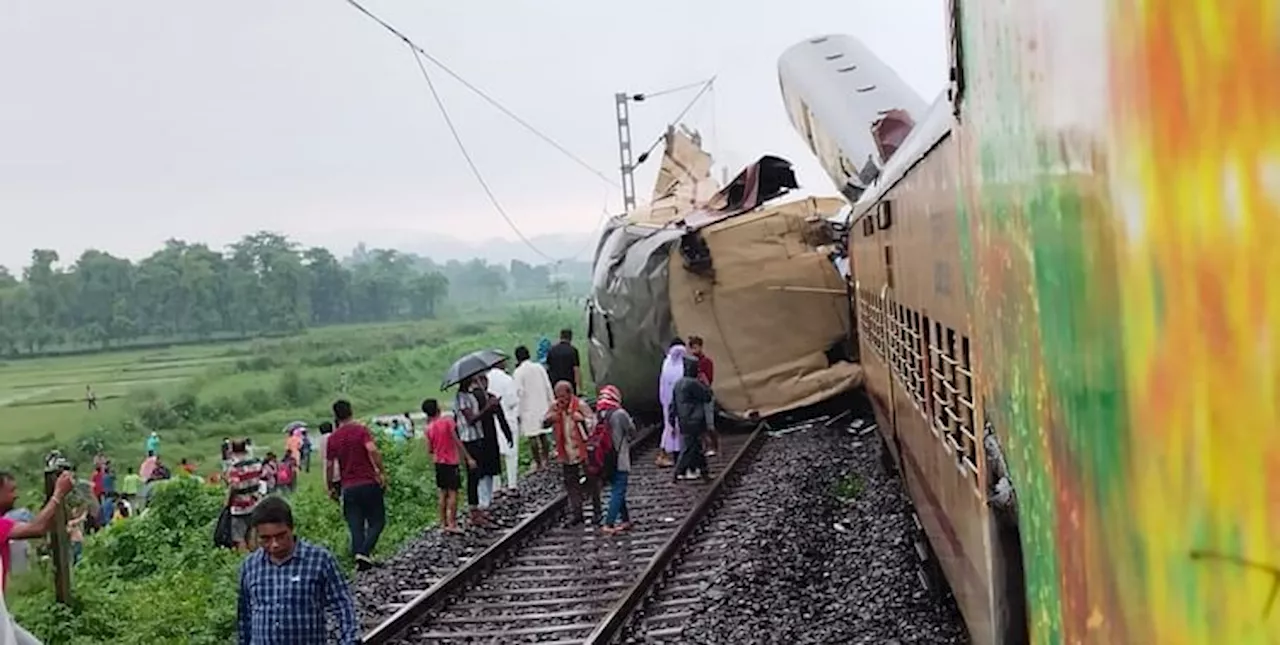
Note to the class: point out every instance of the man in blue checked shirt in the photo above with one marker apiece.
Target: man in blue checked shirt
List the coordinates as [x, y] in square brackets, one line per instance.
[287, 585]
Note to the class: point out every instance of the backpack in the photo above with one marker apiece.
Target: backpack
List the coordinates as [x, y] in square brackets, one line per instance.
[284, 476]
[602, 455]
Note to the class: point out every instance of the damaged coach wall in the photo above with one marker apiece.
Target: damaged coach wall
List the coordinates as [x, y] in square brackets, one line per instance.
[629, 322]
[773, 309]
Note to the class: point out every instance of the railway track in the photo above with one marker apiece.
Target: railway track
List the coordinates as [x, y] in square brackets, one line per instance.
[544, 582]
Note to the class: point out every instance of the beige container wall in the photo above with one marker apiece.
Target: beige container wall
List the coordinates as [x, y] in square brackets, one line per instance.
[769, 345]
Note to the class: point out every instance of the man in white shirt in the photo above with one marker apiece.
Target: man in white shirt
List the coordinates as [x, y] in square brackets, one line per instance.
[502, 386]
[533, 388]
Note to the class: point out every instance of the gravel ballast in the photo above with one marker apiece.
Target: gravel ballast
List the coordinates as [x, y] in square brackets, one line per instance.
[820, 569]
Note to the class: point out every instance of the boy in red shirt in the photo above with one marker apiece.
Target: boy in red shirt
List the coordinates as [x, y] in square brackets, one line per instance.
[706, 374]
[444, 444]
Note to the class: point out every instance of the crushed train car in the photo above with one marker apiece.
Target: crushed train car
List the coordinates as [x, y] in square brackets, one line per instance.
[750, 272]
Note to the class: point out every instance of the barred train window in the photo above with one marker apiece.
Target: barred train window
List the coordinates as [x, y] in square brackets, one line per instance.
[951, 379]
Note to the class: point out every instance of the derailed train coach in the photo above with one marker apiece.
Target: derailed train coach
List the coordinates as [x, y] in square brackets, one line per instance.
[1067, 314]
[750, 272]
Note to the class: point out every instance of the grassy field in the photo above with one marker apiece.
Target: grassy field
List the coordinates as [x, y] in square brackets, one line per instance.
[196, 395]
[47, 395]
[157, 578]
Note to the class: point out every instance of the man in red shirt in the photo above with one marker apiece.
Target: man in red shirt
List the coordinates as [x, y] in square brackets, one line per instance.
[706, 374]
[354, 461]
[37, 528]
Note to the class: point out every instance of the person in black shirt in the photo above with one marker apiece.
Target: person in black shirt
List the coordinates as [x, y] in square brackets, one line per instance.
[563, 363]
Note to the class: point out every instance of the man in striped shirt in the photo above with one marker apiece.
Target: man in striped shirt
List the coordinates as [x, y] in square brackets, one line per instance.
[244, 491]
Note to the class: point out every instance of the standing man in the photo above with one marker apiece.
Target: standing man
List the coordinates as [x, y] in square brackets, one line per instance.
[692, 407]
[11, 529]
[568, 419]
[153, 443]
[90, 398]
[354, 459]
[533, 390]
[563, 363]
[706, 374]
[287, 585]
[244, 490]
[504, 387]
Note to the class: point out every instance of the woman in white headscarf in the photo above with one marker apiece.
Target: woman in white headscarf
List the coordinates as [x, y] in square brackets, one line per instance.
[672, 371]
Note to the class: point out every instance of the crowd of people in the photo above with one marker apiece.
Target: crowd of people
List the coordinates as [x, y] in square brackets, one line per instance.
[477, 442]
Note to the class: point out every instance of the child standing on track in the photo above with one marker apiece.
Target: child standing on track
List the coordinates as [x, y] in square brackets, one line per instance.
[609, 410]
[446, 447]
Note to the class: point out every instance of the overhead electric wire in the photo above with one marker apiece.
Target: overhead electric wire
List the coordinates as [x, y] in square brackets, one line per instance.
[644, 96]
[706, 85]
[490, 100]
[435, 94]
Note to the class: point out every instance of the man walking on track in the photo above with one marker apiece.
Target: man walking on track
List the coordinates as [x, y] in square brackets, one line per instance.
[287, 585]
[354, 460]
[568, 420]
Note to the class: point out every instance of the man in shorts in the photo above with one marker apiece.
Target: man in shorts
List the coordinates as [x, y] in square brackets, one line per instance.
[445, 447]
[244, 481]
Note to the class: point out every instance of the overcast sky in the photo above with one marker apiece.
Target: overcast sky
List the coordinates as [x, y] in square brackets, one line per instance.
[123, 124]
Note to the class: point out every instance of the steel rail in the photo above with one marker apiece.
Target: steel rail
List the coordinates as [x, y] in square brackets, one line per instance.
[438, 594]
[611, 627]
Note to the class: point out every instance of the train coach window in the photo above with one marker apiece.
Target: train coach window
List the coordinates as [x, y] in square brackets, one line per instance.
[939, 382]
[917, 363]
[968, 415]
[955, 89]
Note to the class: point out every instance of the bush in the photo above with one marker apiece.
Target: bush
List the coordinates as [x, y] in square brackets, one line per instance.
[157, 578]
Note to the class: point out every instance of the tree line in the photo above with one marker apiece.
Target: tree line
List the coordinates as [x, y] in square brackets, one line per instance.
[264, 283]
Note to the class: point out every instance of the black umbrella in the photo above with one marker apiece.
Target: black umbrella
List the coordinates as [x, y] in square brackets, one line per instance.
[470, 365]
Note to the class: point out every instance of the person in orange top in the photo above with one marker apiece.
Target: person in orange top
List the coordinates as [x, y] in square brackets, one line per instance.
[293, 445]
[568, 419]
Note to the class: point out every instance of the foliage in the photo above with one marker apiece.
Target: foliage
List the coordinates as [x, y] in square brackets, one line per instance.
[156, 578]
[263, 285]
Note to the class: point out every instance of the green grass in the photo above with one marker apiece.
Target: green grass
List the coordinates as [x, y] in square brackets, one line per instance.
[45, 396]
[156, 578]
[194, 396]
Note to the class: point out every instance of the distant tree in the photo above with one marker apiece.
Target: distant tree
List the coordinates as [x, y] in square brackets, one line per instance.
[262, 283]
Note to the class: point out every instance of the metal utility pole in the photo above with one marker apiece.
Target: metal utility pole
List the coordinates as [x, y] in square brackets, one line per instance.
[59, 541]
[627, 163]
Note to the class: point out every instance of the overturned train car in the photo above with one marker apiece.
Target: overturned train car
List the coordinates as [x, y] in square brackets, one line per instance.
[749, 272]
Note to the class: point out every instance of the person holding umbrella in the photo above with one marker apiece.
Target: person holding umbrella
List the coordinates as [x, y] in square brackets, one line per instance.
[483, 415]
[478, 415]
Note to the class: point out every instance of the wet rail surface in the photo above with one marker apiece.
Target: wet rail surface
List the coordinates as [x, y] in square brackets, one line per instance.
[546, 582]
